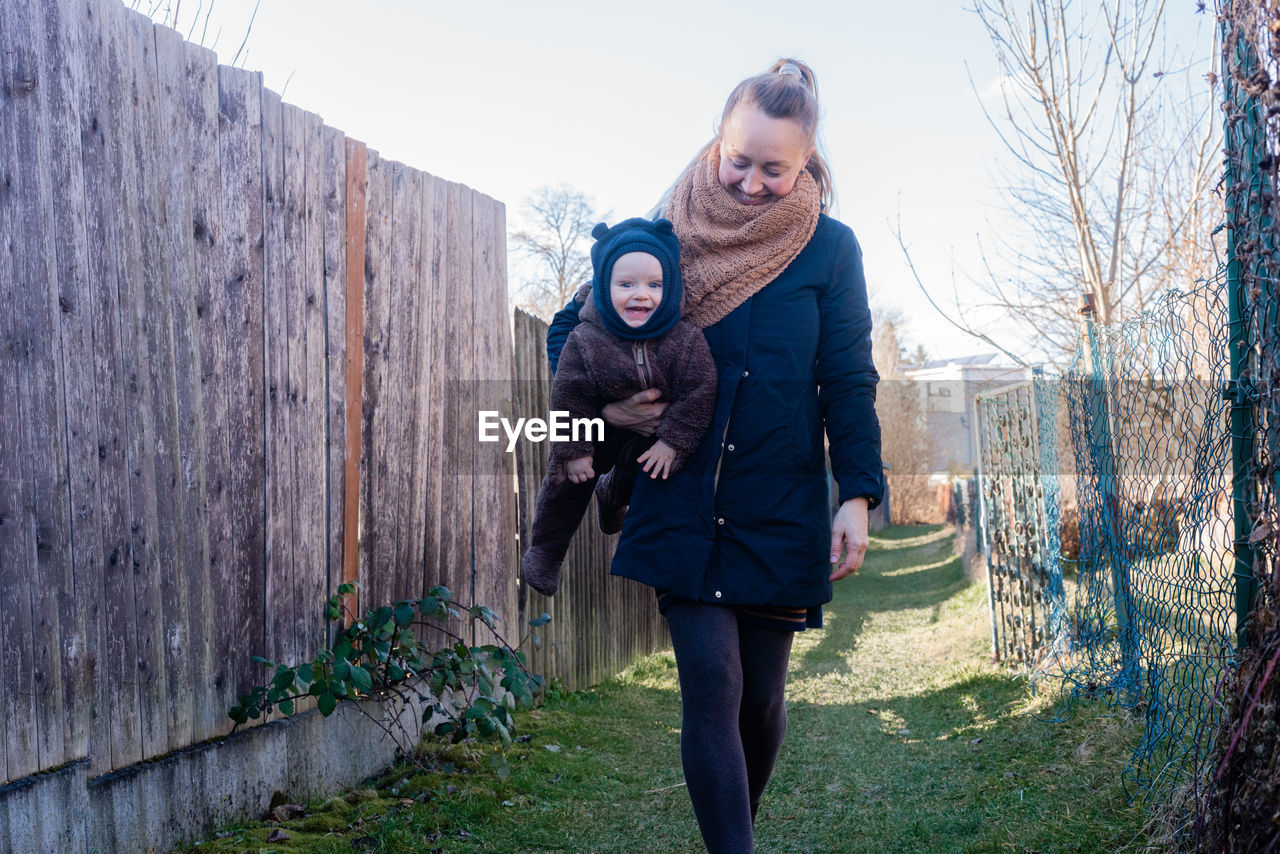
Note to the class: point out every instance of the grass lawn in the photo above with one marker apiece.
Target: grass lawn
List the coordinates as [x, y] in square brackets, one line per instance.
[903, 737]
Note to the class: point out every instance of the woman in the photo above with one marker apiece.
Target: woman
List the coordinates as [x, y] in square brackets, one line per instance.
[739, 543]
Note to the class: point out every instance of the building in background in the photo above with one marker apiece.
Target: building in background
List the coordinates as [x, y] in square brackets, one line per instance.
[947, 388]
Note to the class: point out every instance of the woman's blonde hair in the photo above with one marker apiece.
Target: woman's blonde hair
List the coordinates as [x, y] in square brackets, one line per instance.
[788, 90]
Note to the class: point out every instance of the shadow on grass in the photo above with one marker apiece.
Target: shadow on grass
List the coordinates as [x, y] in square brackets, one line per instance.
[907, 532]
[913, 577]
[960, 768]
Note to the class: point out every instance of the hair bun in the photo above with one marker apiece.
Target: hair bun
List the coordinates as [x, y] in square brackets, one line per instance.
[600, 230]
[790, 69]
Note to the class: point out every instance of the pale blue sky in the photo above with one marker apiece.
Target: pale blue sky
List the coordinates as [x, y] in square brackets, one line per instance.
[614, 98]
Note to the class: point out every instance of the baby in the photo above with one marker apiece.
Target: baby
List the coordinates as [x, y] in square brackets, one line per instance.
[631, 338]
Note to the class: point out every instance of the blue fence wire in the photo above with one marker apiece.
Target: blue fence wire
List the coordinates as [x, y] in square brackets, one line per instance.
[1145, 616]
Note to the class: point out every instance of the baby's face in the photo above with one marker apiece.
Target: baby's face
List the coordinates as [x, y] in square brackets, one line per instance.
[635, 287]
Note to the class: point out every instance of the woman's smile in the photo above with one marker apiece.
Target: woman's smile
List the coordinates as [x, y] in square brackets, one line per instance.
[760, 156]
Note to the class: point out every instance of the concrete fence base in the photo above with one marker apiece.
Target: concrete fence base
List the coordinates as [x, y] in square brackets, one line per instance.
[186, 795]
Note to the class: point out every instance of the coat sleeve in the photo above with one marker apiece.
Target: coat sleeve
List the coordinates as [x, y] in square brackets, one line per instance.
[562, 324]
[847, 377]
[687, 419]
[574, 391]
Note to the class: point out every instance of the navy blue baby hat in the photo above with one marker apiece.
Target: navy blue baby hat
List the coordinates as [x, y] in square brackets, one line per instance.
[637, 235]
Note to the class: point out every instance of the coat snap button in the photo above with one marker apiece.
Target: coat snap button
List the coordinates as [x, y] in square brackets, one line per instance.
[718, 594]
[731, 447]
[720, 520]
[746, 373]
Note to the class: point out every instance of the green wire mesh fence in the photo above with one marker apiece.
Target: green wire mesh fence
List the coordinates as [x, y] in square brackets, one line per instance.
[1153, 614]
[1020, 512]
[1150, 621]
[1174, 424]
[1240, 814]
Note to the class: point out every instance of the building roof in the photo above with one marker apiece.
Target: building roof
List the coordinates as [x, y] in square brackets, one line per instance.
[965, 361]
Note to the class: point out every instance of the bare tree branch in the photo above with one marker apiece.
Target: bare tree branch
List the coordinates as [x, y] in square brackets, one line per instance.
[554, 243]
[1110, 165]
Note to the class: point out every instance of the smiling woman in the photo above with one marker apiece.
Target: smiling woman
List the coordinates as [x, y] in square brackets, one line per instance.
[738, 544]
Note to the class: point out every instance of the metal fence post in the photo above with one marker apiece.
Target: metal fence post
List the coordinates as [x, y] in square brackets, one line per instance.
[1244, 191]
[1105, 471]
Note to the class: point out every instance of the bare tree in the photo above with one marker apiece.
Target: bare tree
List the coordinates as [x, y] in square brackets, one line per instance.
[905, 445]
[553, 247]
[1114, 156]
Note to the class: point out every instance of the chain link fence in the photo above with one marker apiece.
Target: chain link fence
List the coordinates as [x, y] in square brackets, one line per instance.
[1171, 606]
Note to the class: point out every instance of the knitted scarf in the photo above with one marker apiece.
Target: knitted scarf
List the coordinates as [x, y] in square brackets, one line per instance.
[728, 250]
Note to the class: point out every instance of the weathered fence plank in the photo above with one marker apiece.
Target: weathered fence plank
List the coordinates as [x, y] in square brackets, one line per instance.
[92, 502]
[435, 250]
[426, 388]
[279, 469]
[183, 644]
[212, 583]
[402, 252]
[62, 41]
[332, 186]
[494, 500]
[356, 178]
[16, 548]
[151, 364]
[404, 376]
[376, 542]
[240, 143]
[39, 505]
[314, 569]
[460, 398]
[116, 733]
[293, 371]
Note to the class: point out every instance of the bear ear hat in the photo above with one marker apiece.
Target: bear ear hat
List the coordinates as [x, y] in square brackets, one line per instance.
[662, 226]
[600, 230]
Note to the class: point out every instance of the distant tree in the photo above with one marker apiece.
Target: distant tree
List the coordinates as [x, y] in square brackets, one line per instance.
[552, 248]
[905, 444]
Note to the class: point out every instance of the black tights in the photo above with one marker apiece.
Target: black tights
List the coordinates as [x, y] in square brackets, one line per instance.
[732, 678]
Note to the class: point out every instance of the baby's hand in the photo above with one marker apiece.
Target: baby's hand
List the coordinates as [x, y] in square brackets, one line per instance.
[658, 459]
[579, 470]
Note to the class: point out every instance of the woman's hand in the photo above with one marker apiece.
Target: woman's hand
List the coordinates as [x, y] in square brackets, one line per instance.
[639, 413]
[849, 537]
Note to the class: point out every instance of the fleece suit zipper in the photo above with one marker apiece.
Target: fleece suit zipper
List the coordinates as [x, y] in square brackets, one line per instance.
[642, 363]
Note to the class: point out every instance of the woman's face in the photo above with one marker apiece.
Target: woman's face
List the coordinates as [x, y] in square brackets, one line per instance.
[760, 156]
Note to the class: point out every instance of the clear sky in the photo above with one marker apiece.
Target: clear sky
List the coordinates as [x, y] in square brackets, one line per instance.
[614, 98]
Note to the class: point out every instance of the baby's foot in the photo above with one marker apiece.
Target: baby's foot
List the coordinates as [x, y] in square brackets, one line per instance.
[611, 507]
[540, 572]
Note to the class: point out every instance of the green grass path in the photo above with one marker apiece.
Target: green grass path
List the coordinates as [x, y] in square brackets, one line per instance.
[903, 737]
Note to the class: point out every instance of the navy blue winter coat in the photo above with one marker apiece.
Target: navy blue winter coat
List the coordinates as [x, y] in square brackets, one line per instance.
[746, 520]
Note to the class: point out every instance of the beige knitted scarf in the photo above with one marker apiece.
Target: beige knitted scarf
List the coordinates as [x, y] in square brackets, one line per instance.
[728, 250]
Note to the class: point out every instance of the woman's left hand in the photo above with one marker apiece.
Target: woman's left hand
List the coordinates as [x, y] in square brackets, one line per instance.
[849, 537]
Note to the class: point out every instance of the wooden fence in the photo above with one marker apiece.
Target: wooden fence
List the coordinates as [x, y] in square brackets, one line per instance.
[241, 360]
[226, 329]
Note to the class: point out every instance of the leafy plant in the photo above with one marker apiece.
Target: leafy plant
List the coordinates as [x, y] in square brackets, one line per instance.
[465, 690]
